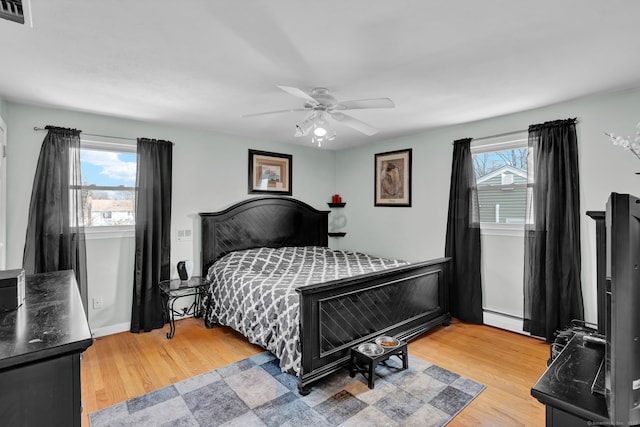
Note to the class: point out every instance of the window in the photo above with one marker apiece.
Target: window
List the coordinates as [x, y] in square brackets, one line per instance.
[108, 184]
[501, 177]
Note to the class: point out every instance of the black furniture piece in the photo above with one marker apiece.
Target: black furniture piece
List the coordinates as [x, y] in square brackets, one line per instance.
[566, 386]
[408, 300]
[601, 272]
[612, 367]
[175, 289]
[622, 352]
[40, 347]
[366, 363]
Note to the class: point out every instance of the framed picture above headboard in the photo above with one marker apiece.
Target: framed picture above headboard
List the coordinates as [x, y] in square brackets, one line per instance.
[270, 173]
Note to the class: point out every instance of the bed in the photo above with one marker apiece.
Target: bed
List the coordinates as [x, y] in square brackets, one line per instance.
[403, 299]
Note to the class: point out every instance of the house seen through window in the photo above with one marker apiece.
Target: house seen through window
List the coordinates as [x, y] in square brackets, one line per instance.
[108, 184]
[501, 178]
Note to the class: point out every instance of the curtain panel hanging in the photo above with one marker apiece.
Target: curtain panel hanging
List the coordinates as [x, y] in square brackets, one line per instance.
[55, 237]
[152, 235]
[463, 238]
[552, 285]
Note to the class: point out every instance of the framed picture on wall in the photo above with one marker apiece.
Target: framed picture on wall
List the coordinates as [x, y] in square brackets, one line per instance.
[270, 172]
[393, 178]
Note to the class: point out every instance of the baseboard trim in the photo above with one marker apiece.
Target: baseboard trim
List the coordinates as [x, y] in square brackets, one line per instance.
[490, 318]
[504, 321]
[111, 329]
[120, 327]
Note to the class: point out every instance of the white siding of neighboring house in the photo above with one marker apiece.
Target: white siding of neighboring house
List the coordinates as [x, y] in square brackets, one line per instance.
[109, 212]
[510, 201]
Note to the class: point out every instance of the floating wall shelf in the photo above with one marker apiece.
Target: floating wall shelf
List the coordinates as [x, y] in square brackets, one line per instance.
[337, 234]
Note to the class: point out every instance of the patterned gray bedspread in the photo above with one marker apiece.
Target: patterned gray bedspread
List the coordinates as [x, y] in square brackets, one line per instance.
[253, 291]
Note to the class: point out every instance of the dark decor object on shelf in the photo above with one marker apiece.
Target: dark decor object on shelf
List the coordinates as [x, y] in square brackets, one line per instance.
[270, 173]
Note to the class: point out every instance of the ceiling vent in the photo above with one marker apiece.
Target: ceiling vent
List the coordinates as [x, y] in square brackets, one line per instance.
[12, 10]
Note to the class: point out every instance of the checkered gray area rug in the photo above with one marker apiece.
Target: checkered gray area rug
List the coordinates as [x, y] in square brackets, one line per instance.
[254, 392]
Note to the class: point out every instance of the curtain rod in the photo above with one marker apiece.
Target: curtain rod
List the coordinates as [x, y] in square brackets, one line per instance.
[495, 136]
[499, 135]
[36, 128]
[513, 132]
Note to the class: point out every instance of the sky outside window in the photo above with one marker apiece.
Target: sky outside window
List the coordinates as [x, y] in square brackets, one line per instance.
[108, 168]
[108, 181]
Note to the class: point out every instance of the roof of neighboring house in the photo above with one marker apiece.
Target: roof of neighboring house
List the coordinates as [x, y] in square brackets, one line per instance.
[520, 172]
[112, 205]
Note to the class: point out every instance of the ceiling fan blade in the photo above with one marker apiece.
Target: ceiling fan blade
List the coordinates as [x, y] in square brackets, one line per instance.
[358, 104]
[291, 110]
[358, 125]
[299, 94]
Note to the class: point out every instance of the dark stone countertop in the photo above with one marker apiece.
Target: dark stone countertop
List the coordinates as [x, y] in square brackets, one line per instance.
[51, 322]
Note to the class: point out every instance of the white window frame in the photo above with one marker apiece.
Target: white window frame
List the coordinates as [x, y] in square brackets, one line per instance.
[109, 231]
[513, 141]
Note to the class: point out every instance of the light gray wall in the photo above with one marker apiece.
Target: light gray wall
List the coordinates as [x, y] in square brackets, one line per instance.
[418, 233]
[209, 173]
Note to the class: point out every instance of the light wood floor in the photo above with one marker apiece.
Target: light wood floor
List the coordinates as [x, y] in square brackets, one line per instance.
[121, 366]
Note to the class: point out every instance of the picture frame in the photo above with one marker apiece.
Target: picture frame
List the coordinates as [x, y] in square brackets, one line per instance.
[393, 178]
[270, 173]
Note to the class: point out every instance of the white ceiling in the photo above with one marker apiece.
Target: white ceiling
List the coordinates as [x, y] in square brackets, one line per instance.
[204, 63]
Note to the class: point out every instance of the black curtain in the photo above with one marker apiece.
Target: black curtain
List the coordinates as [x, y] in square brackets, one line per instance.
[552, 287]
[153, 227]
[463, 238]
[55, 232]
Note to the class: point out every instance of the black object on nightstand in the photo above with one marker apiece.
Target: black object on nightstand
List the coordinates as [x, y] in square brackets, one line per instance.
[175, 289]
[366, 357]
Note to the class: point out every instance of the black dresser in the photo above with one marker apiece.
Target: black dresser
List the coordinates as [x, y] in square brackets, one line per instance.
[40, 347]
[566, 387]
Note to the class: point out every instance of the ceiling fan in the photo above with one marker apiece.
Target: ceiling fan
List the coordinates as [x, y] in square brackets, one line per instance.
[321, 104]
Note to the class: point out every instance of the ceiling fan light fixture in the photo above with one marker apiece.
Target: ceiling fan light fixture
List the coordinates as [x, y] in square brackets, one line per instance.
[329, 135]
[321, 104]
[303, 128]
[322, 131]
[319, 131]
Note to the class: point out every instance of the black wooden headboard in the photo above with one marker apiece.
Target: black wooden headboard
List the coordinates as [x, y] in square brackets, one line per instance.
[261, 222]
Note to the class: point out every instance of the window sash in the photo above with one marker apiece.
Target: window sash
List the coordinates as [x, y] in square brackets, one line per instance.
[517, 142]
[103, 229]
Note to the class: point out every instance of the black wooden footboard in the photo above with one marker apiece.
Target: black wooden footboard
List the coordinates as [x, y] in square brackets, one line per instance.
[403, 302]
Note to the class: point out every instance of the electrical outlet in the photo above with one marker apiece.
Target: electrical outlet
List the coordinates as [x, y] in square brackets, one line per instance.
[97, 303]
[184, 234]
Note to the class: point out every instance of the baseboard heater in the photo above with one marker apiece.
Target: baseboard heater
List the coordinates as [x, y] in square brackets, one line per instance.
[503, 320]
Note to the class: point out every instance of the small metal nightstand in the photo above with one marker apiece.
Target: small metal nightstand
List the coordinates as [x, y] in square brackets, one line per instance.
[175, 289]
